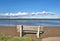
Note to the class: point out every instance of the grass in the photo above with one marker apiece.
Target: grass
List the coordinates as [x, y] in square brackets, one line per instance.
[11, 38]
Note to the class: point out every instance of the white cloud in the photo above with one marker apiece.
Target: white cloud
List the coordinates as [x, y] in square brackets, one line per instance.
[26, 13]
[42, 13]
[22, 14]
[6, 14]
[18, 14]
[15, 14]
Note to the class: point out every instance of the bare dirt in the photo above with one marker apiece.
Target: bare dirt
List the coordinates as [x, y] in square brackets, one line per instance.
[51, 39]
[48, 31]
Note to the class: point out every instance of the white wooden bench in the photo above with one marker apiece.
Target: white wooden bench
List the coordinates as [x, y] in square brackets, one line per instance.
[30, 29]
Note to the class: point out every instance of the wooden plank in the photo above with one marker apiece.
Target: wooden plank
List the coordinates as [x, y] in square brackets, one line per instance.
[30, 31]
[30, 27]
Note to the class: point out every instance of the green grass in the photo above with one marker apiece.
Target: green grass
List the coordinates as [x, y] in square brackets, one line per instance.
[10, 38]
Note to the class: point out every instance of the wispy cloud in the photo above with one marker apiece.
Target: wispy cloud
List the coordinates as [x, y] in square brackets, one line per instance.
[18, 14]
[26, 13]
[43, 13]
[15, 14]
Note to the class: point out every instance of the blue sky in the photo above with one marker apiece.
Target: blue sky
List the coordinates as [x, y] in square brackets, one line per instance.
[13, 6]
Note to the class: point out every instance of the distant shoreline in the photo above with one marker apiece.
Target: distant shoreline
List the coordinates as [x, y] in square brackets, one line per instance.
[30, 19]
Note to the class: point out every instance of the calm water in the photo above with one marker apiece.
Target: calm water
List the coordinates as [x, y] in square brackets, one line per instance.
[30, 22]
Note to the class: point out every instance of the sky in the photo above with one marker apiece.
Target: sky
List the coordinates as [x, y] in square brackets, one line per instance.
[25, 8]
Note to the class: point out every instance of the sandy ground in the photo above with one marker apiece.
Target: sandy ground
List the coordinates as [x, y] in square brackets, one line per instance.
[53, 31]
[51, 39]
[9, 30]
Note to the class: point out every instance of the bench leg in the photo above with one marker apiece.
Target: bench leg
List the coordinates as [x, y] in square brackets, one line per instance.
[38, 32]
[21, 30]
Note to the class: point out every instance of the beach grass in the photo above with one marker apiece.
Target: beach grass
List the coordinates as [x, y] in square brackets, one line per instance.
[11, 38]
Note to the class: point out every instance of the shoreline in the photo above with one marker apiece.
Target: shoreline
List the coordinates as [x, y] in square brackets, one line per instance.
[29, 18]
[29, 25]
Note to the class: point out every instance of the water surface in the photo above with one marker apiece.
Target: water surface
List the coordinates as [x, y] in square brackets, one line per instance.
[30, 22]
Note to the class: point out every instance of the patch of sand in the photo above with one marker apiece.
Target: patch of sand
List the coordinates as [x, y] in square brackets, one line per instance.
[51, 39]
